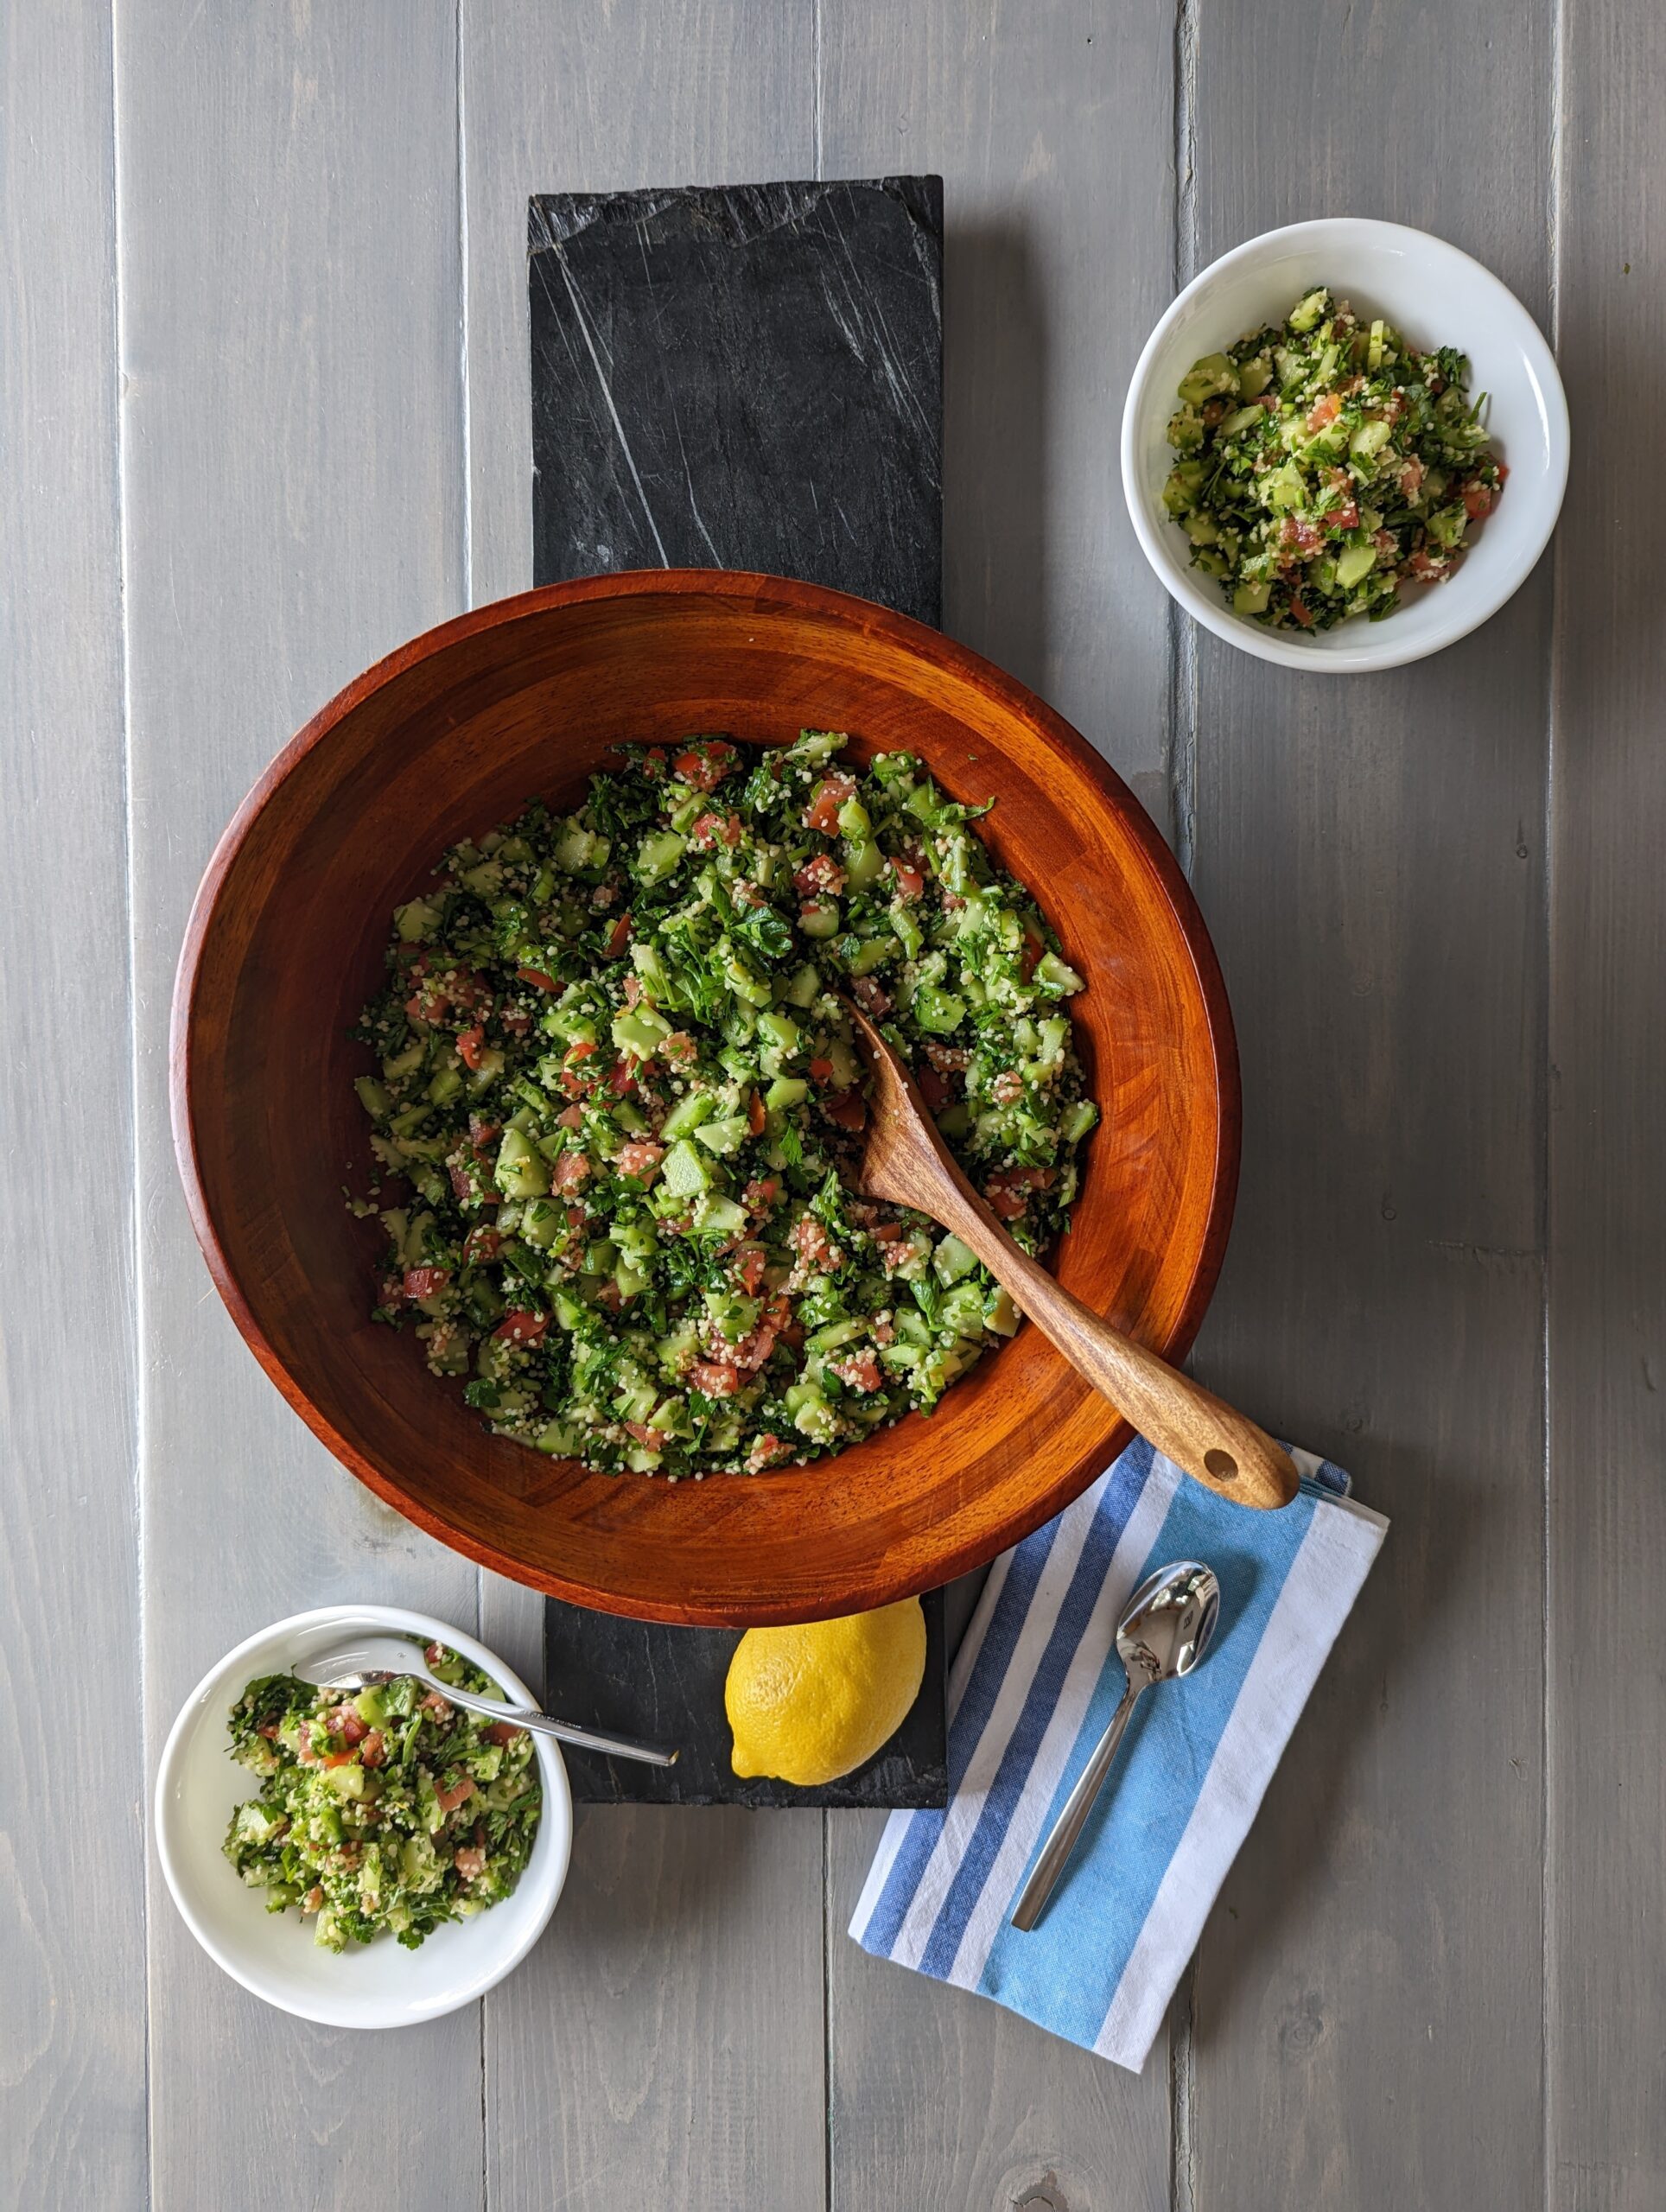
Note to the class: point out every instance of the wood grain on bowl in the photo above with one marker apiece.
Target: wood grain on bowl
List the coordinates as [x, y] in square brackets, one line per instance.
[450, 735]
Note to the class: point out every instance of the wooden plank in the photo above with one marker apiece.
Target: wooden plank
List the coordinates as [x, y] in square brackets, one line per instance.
[665, 2041]
[1051, 126]
[1606, 1887]
[1369, 853]
[72, 1943]
[292, 432]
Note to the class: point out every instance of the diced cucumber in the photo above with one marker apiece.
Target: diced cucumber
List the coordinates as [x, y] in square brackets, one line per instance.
[714, 1216]
[1353, 564]
[786, 1091]
[373, 1097]
[870, 952]
[1207, 378]
[1056, 977]
[1250, 598]
[865, 862]
[1079, 1117]
[641, 1031]
[805, 987]
[403, 1062]
[682, 1171]
[1306, 313]
[658, 855]
[726, 1135]
[952, 1260]
[820, 921]
[835, 1334]
[1000, 1314]
[445, 1085]
[695, 1107]
[416, 921]
[939, 1011]
[520, 1171]
[781, 1030]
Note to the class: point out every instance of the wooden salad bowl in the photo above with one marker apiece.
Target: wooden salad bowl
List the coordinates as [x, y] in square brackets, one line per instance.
[450, 735]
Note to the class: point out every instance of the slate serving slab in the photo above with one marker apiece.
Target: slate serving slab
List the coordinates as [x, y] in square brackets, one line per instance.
[741, 377]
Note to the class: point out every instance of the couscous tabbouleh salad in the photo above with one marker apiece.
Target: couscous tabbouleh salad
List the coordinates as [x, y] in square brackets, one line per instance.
[615, 1070]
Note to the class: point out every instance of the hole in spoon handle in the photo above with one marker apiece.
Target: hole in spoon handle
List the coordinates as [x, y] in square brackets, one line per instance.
[1221, 1465]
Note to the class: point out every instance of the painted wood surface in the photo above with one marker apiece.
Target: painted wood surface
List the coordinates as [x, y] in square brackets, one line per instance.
[71, 1838]
[1371, 1979]
[1435, 1975]
[293, 478]
[1605, 1887]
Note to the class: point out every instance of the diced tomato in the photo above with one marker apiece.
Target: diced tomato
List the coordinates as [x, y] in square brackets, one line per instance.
[459, 1793]
[463, 1185]
[482, 1133]
[872, 996]
[345, 1722]
[570, 1117]
[339, 1758]
[1302, 538]
[823, 812]
[1007, 1202]
[848, 1108]
[1300, 611]
[518, 1326]
[439, 1705]
[933, 1088]
[706, 766]
[884, 1332]
[713, 1379]
[751, 1264]
[502, 1732]
[710, 828]
[633, 990]
[1324, 410]
[910, 882]
[1412, 473]
[861, 1371]
[423, 1282]
[820, 874]
[618, 938]
[374, 1750]
[517, 1023]
[947, 1059]
[1426, 567]
[1008, 1088]
[886, 1232]
[765, 1453]
[470, 1861]
[610, 1298]
[810, 1240]
[1007, 1190]
[471, 1045]
[755, 1115]
[653, 764]
[639, 1159]
[1477, 500]
[677, 1047]
[654, 1439]
[436, 1653]
[538, 976]
[623, 1077]
[761, 1193]
[570, 1172]
[820, 1070]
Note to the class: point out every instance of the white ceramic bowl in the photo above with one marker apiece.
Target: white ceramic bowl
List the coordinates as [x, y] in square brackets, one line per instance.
[1434, 295]
[375, 1985]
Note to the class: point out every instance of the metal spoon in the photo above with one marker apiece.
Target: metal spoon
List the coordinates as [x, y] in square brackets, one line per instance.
[373, 1660]
[1160, 1638]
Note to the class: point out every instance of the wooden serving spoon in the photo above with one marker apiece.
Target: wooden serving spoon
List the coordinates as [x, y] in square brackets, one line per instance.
[907, 1163]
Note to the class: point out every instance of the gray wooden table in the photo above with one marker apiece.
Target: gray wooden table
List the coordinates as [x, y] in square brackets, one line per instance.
[263, 415]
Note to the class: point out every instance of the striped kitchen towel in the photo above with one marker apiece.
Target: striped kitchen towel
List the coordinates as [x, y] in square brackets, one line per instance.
[1033, 1685]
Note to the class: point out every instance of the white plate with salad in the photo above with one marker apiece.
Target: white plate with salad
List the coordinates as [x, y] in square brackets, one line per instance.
[369, 1861]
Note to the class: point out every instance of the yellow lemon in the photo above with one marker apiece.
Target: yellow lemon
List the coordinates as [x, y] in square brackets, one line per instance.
[809, 1704]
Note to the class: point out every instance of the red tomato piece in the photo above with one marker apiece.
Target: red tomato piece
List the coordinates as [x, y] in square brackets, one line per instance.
[518, 1326]
[755, 1115]
[831, 794]
[471, 1045]
[713, 1379]
[639, 1159]
[503, 1731]
[570, 1172]
[423, 1282]
[536, 975]
[705, 766]
[619, 937]
[820, 1070]
[459, 1793]
[848, 1108]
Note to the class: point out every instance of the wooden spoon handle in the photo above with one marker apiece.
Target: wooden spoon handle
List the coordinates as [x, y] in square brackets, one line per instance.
[1216, 1444]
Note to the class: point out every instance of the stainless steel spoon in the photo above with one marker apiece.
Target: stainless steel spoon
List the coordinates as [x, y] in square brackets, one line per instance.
[1162, 1635]
[375, 1659]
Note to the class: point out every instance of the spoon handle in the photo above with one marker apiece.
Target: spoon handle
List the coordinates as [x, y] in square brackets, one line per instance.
[541, 1724]
[1218, 1446]
[1068, 1825]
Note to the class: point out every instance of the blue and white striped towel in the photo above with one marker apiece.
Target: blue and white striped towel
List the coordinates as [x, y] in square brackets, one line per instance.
[1033, 1685]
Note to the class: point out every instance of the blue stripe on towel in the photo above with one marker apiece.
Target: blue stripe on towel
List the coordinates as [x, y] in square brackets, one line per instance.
[1028, 1714]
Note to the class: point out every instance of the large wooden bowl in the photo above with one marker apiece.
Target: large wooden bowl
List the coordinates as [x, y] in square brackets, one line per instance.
[450, 735]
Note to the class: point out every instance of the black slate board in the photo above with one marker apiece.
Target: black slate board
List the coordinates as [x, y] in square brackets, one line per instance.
[667, 1684]
[745, 377]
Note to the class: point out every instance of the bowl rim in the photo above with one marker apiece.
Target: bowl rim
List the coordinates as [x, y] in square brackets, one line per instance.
[1363, 659]
[552, 1771]
[760, 592]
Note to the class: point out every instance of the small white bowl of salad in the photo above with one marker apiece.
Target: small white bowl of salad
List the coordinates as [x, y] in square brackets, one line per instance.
[369, 1860]
[1345, 446]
